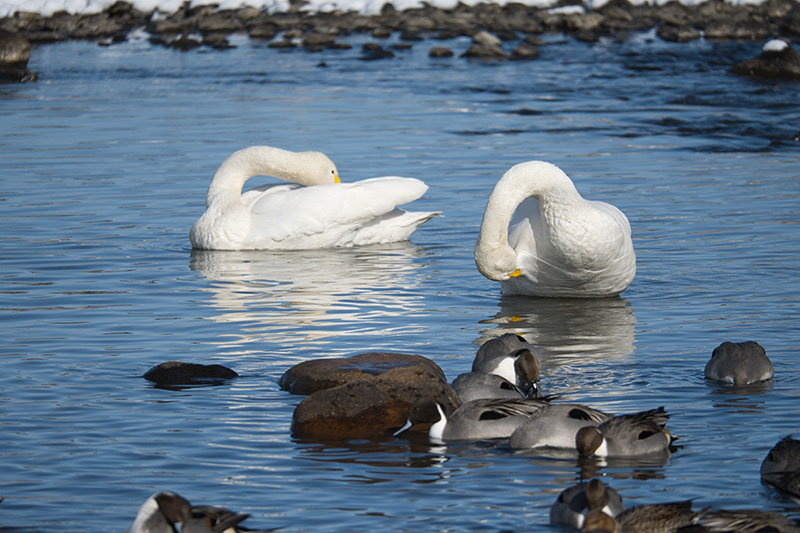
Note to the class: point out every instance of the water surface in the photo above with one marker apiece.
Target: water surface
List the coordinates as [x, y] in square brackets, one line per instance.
[105, 164]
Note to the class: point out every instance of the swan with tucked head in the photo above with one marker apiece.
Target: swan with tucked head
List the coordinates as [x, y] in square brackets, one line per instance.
[315, 211]
[539, 237]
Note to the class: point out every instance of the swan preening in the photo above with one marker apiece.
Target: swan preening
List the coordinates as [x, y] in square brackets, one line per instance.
[539, 237]
[316, 211]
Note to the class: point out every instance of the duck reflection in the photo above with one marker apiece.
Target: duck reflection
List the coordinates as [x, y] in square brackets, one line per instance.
[312, 295]
[566, 330]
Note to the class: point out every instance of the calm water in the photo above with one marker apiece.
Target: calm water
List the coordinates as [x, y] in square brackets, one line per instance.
[104, 168]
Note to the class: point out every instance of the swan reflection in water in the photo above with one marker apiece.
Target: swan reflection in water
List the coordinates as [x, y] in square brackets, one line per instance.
[313, 295]
[567, 330]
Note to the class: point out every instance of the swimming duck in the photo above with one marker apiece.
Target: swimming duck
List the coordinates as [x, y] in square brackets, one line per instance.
[479, 386]
[472, 421]
[747, 521]
[317, 211]
[555, 425]
[626, 435]
[539, 237]
[572, 504]
[651, 518]
[511, 357]
[781, 467]
[160, 513]
[739, 363]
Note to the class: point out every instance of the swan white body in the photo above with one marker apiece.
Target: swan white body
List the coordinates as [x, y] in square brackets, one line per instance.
[539, 237]
[316, 211]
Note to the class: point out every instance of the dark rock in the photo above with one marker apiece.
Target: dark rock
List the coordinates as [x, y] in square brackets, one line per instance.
[218, 41]
[678, 34]
[525, 51]
[365, 396]
[381, 33]
[180, 373]
[374, 51]
[485, 46]
[440, 51]
[184, 43]
[778, 60]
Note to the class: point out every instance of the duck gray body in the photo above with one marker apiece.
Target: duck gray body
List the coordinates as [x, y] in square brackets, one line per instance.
[626, 435]
[472, 421]
[572, 504]
[781, 467]
[555, 425]
[479, 386]
[739, 363]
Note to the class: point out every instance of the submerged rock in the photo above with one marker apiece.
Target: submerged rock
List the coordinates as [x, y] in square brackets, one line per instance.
[180, 373]
[364, 396]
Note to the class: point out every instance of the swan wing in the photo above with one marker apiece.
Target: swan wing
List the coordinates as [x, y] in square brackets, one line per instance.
[290, 217]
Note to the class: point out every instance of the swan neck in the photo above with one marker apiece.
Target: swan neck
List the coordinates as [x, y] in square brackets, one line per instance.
[229, 179]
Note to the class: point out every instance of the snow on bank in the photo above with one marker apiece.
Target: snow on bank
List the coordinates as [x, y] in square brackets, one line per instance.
[367, 7]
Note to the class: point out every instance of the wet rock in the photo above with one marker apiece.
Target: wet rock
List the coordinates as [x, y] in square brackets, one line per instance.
[218, 41]
[525, 51]
[440, 52]
[678, 34]
[778, 60]
[365, 396]
[180, 373]
[485, 46]
[15, 51]
[374, 51]
[309, 377]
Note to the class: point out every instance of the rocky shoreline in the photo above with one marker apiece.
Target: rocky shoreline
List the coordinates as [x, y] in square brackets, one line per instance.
[490, 25]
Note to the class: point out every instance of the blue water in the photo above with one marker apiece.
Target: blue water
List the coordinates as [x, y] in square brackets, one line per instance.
[104, 167]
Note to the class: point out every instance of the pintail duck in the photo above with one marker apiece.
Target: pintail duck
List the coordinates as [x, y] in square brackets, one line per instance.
[472, 421]
[572, 505]
[653, 518]
[555, 425]
[626, 435]
[511, 357]
[739, 363]
[781, 467]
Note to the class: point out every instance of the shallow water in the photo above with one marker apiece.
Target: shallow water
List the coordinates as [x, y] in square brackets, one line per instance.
[104, 167]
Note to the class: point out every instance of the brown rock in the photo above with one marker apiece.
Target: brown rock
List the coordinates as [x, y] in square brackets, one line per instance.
[369, 395]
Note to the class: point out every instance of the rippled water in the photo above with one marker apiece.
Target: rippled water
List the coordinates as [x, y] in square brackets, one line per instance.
[104, 168]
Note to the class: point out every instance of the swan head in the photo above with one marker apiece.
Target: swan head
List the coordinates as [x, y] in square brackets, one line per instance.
[496, 261]
[317, 169]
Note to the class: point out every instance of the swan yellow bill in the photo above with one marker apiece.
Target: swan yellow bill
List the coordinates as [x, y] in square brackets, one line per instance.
[515, 274]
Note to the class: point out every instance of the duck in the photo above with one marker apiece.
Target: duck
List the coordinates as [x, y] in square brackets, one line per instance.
[555, 425]
[742, 521]
[739, 363]
[160, 513]
[163, 511]
[626, 435]
[315, 211]
[781, 467]
[471, 386]
[472, 421]
[540, 237]
[511, 357]
[648, 518]
[573, 503]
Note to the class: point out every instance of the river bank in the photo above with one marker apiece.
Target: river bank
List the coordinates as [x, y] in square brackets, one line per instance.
[206, 25]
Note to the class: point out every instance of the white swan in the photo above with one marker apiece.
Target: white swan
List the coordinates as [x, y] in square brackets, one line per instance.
[557, 243]
[316, 212]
